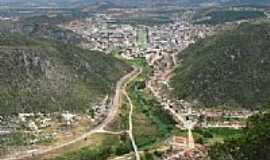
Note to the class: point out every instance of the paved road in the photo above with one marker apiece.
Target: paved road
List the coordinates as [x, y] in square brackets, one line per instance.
[121, 84]
[120, 87]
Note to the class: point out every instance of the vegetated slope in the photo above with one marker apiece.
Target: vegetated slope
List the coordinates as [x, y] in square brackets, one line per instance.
[223, 16]
[44, 26]
[231, 68]
[47, 76]
[253, 144]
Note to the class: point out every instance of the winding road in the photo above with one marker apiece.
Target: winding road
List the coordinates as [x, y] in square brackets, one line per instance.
[58, 149]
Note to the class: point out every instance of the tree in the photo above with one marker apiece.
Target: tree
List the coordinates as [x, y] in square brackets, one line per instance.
[253, 144]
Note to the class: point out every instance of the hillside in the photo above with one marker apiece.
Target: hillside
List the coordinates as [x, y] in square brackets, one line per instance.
[222, 16]
[47, 76]
[231, 68]
[43, 27]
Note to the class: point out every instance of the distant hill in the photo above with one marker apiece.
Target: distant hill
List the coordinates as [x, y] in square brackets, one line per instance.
[231, 68]
[48, 76]
[46, 27]
[128, 3]
[43, 27]
[251, 2]
[222, 16]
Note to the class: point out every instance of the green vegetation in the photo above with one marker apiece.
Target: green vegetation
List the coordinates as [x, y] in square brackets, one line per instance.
[121, 121]
[15, 138]
[43, 26]
[141, 63]
[46, 27]
[144, 20]
[253, 144]
[151, 155]
[229, 69]
[167, 12]
[110, 145]
[151, 124]
[142, 38]
[212, 135]
[47, 76]
[222, 16]
[59, 17]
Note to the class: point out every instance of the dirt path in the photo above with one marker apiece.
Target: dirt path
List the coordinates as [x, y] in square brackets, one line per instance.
[58, 149]
[130, 133]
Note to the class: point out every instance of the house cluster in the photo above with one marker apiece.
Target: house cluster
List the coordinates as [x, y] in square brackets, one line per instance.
[38, 128]
[203, 117]
[154, 43]
[220, 118]
[166, 41]
[27, 125]
[98, 112]
[103, 35]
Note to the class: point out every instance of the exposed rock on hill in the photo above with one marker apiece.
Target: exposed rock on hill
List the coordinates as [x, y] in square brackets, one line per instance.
[49, 76]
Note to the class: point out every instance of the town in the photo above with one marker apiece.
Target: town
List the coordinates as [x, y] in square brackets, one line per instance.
[162, 48]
